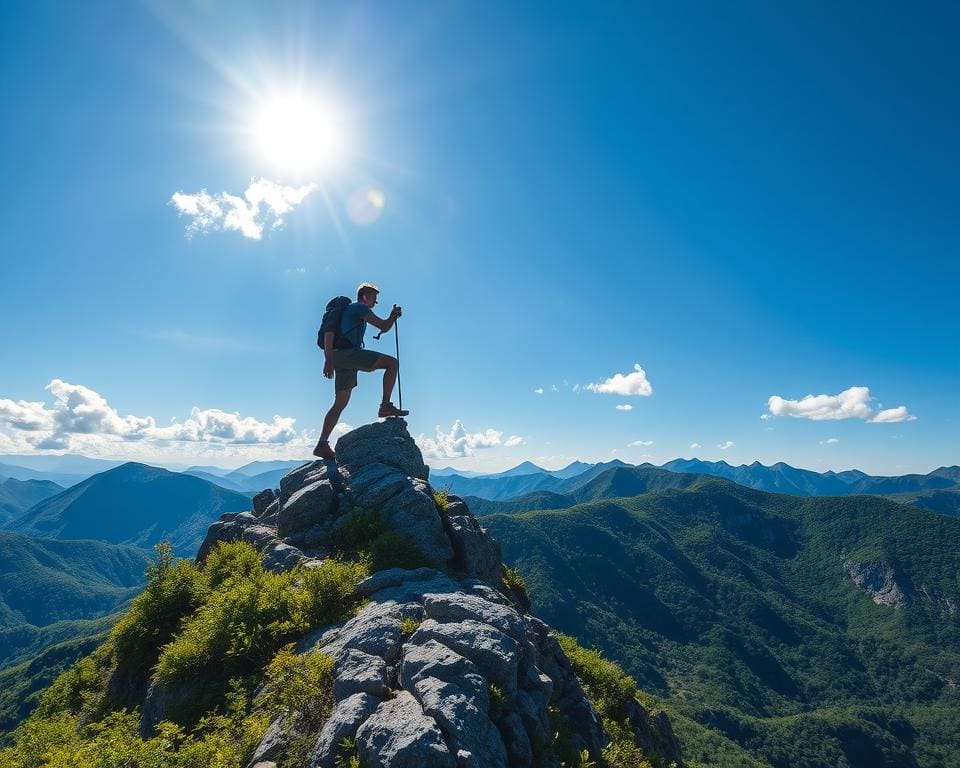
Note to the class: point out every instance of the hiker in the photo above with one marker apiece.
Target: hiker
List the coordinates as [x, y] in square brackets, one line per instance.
[344, 356]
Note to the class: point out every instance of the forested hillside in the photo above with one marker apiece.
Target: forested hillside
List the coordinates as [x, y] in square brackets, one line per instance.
[811, 632]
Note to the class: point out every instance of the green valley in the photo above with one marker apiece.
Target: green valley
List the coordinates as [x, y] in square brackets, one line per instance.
[806, 631]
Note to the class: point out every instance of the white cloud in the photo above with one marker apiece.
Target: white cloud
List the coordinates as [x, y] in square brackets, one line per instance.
[264, 204]
[694, 446]
[215, 426]
[725, 445]
[624, 407]
[538, 391]
[892, 416]
[554, 388]
[640, 443]
[79, 416]
[457, 443]
[513, 441]
[852, 403]
[829, 441]
[634, 383]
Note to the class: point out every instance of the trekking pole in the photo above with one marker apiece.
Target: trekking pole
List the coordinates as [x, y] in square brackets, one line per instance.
[396, 332]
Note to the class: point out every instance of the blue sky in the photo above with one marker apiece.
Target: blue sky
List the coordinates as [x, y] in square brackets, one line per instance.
[747, 203]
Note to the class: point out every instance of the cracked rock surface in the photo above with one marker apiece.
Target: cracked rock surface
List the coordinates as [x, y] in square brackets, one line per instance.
[439, 668]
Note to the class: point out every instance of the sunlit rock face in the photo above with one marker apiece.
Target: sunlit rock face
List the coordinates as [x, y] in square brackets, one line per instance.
[441, 667]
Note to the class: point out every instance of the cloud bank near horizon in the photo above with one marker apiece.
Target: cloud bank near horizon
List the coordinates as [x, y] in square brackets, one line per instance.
[458, 443]
[263, 205]
[80, 417]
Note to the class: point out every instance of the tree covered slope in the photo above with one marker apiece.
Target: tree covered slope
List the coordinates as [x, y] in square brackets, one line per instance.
[809, 631]
[133, 504]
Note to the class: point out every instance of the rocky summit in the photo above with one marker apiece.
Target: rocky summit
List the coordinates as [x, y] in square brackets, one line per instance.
[442, 666]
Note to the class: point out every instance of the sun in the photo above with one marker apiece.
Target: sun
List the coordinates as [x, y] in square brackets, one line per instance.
[298, 133]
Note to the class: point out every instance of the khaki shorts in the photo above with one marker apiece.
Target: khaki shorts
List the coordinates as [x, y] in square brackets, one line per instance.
[346, 363]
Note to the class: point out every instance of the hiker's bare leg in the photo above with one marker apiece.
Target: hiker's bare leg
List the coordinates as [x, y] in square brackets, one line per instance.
[389, 366]
[333, 415]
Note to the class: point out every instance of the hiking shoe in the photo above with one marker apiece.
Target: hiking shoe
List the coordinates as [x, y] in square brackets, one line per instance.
[389, 409]
[324, 451]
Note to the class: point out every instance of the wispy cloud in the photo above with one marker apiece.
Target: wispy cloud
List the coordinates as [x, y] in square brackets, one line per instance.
[726, 445]
[458, 443]
[852, 403]
[829, 441]
[513, 441]
[263, 205]
[624, 407]
[640, 443]
[80, 415]
[625, 384]
[694, 446]
[538, 391]
[190, 340]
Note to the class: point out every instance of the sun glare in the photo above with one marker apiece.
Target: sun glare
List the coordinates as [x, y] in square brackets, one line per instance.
[298, 134]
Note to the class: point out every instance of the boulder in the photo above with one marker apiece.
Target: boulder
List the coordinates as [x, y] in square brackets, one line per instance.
[393, 577]
[271, 745]
[301, 476]
[342, 724]
[462, 606]
[413, 513]
[468, 730]
[306, 507]
[263, 500]
[387, 442]
[432, 659]
[495, 654]
[375, 630]
[515, 740]
[400, 735]
[374, 483]
[357, 672]
[476, 553]
[271, 514]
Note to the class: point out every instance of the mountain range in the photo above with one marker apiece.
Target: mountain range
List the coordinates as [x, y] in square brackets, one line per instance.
[17, 496]
[785, 628]
[132, 504]
[938, 490]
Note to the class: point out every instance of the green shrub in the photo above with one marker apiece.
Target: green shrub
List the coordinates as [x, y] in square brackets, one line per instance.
[609, 688]
[299, 687]
[499, 701]
[408, 626]
[247, 620]
[231, 560]
[299, 683]
[173, 592]
[361, 535]
[513, 583]
[79, 688]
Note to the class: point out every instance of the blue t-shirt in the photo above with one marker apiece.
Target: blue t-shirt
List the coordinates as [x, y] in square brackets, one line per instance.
[353, 324]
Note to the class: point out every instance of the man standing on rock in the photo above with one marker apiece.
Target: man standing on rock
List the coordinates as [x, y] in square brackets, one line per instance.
[344, 356]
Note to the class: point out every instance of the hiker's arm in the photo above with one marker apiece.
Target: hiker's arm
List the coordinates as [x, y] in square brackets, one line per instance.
[384, 324]
[328, 354]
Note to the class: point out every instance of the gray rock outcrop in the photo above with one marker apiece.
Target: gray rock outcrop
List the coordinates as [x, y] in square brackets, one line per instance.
[439, 667]
[878, 581]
